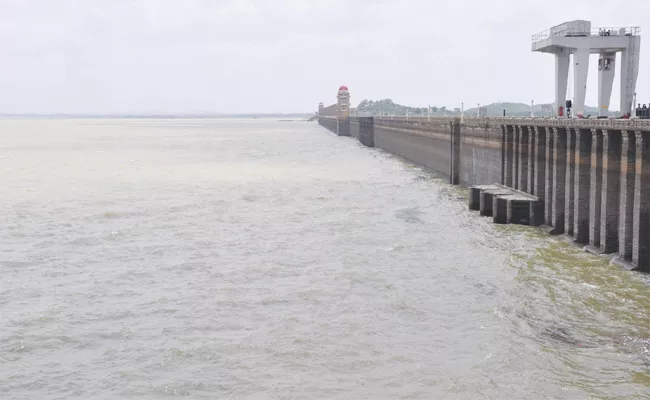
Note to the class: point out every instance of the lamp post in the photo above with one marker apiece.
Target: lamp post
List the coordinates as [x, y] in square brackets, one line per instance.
[532, 108]
[462, 111]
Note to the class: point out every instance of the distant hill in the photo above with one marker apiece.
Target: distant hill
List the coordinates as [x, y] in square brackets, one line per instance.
[389, 107]
[524, 110]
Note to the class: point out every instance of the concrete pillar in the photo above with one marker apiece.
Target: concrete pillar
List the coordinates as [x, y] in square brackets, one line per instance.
[580, 71]
[530, 155]
[582, 184]
[640, 241]
[610, 193]
[454, 169]
[540, 163]
[486, 200]
[523, 158]
[549, 167]
[569, 183]
[475, 198]
[596, 187]
[626, 219]
[629, 73]
[559, 180]
[500, 209]
[561, 79]
[509, 156]
[606, 63]
[517, 150]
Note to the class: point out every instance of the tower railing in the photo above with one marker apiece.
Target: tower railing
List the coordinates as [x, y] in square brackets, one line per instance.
[577, 32]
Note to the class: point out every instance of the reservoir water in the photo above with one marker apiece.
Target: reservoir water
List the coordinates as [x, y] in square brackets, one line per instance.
[265, 259]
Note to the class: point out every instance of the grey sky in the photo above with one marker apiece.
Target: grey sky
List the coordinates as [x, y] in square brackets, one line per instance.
[114, 56]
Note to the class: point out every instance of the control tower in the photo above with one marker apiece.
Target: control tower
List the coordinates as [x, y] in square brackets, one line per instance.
[578, 39]
[343, 102]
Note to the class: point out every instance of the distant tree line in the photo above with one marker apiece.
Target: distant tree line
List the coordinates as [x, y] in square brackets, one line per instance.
[389, 107]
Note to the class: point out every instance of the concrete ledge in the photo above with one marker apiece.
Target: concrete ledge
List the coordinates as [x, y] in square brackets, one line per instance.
[487, 200]
[518, 209]
[593, 250]
[623, 263]
[506, 205]
[475, 193]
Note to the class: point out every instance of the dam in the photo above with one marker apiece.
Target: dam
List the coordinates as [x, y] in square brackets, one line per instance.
[586, 179]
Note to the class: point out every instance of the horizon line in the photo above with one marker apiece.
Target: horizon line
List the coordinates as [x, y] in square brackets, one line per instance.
[144, 114]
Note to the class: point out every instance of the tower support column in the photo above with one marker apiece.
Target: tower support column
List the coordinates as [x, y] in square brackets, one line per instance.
[580, 71]
[561, 79]
[606, 64]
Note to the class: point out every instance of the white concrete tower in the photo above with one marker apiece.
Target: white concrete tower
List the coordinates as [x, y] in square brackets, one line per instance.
[343, 102]
[578, 39]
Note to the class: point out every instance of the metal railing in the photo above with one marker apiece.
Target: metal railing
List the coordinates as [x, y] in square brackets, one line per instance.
[576, 32]
[634, 124]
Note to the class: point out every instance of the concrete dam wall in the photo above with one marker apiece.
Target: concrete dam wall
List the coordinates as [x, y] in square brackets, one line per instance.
[588, 179]
[429, 143]
[340, 126]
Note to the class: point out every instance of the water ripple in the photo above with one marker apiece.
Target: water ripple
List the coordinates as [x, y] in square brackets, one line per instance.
[260, 259]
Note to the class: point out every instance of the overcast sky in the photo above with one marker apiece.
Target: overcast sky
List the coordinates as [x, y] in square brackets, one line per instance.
[165, 56]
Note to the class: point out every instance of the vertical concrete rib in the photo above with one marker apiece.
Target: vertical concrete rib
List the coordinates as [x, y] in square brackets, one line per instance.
[582, 186]
[516, 172]
[454, 173]
[559, 179]
[596, 187]
[570, 176]
[640, 244]
[530, 155]
[539, 187]
[503, 155]
[626, 219]
[548, 211]
[610, 193]
[523, 158]
[509, 156]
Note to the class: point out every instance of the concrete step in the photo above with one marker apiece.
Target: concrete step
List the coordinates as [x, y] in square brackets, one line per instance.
[506, 205]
